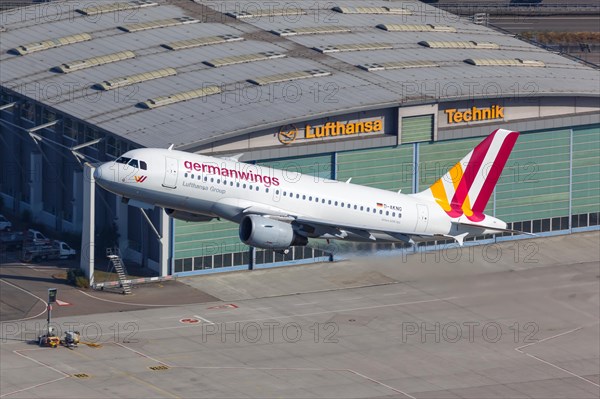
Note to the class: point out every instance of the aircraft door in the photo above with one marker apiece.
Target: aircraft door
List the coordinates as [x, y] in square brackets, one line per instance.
[422, 217]
[171, 173]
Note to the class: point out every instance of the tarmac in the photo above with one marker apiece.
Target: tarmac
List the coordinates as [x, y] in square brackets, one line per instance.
[517, 319]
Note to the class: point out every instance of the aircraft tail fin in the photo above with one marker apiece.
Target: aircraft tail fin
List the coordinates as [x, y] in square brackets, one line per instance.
[466, 188]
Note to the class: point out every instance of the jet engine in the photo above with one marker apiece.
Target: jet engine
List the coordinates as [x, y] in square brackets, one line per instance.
[259, 231]
[187, 216]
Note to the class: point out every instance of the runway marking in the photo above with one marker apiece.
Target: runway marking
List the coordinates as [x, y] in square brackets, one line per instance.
[305, 303]
[17, 352]
[266, 307]
[33, 295]
[519, 349]
[204, 320]
[274, 369]
[142, 354]
[313, 313]
[132, 304]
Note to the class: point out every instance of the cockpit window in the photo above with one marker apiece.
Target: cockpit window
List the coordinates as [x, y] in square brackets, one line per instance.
[133, 163]
[143, 165]
[123, 160]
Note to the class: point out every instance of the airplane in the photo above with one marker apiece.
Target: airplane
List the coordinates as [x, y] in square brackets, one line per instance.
[277, 209]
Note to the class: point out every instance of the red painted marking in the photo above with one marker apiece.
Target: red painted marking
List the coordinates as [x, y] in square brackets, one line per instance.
[470, 173]
[493, 176]
[62, 303]
[225, 306]
[189, 321]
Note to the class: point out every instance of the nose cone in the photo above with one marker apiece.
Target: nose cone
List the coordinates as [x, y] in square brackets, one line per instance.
[100, 174]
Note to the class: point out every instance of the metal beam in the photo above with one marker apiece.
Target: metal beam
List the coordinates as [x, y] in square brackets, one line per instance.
[86, 144]
[151, 225]
[43, 126]
[7, 106]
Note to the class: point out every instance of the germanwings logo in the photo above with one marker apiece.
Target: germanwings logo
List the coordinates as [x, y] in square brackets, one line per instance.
[140, 179]
[468, 185]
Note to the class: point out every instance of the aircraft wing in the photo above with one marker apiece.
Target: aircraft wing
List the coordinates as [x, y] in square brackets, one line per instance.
[339, 230]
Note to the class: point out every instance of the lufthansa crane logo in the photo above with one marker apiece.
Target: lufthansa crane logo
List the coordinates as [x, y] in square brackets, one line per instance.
[287, 134]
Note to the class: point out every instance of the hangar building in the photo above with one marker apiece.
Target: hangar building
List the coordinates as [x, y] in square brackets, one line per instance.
[388, 93]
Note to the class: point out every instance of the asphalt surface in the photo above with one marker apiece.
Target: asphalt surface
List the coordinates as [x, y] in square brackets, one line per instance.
[24, 290]
[509, 320]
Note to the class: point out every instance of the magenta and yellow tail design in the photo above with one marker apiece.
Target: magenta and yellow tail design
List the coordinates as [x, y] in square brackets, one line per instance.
[466, 188]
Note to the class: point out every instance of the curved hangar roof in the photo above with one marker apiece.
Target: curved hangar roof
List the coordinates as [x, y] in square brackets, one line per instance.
[163, 71]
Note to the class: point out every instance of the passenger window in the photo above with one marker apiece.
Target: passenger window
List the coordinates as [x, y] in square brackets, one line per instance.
[387, 213]
[336, 203]
[199, 177]
[368, 209]
[250, 186]
[297, 195]
[310, 198]
[185, 175]
[342, 204]
[393, 214]
[304, 197]
[267, 190]
[329, 202]
[133, 163]
[192, 175]
[350, 206]
[257, 188]
[143, 165]
[361, 208]
[355, 207]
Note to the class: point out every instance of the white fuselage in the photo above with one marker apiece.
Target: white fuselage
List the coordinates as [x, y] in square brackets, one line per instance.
[227, 189]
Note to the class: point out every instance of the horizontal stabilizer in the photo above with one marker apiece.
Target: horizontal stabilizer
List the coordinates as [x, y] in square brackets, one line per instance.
[499, 230]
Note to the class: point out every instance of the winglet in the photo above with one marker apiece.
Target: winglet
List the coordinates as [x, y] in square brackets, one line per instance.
[170, 147]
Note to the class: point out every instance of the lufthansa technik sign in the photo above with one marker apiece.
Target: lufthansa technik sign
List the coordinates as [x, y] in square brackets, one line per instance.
[474, 114]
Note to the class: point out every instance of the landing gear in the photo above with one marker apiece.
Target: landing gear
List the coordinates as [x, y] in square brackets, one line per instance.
[283, 251]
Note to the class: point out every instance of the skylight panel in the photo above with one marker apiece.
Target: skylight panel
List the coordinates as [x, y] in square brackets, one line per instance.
[416, 28]
[372, 10]
[384, 66]
[316, 30]
[240, 59]
[340, 48]
[114, 7]
[201, 41]
[133, 79]
[95, 61]
[179, 97]
[48, 44]
[289, 76]
[161, 23]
